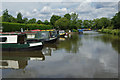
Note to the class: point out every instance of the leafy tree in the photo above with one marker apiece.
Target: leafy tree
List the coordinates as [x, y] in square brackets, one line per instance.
[88, 24]
[46, 22]
[68, 16]
[62, 23]
[39, 22]
[12, 19]
[25, 20]
[74, 18]
[79, 24]
[6, 16]
[116, 21]
[19, 18]
[33, 20]
[96, 24]
[54, 18]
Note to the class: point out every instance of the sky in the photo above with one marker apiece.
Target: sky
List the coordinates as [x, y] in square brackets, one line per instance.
[86, 10]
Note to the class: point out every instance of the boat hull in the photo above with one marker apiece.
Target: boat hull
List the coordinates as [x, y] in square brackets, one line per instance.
[63, 35]
[21, 47]
[51, 40]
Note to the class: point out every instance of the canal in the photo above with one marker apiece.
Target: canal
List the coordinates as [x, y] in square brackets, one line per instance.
[87, 55]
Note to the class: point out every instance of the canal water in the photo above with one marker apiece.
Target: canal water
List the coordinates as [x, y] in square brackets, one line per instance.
[87, 55]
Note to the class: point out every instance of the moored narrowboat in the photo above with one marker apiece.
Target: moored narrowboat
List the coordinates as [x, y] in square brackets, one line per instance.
[62, 33]
[17, 41]
[47, 36]
[80, 31]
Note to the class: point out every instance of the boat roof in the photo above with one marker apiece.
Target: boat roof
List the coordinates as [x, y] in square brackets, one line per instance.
[11, 33]
[43, 30]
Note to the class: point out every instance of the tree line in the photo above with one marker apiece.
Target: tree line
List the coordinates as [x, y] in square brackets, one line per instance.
[68, 21]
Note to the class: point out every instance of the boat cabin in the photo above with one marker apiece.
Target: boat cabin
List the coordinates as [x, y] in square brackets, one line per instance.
[40, 35]
[15, 38]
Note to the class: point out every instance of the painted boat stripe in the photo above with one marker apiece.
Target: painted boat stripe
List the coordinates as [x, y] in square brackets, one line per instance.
[35, 44]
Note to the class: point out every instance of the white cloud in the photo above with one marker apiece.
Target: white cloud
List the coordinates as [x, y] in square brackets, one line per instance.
[85, 7]
[46, 10]
[86, 10]
[59, 0]
[35, 10]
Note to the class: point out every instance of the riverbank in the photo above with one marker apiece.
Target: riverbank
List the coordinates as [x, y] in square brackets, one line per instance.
[110, 31]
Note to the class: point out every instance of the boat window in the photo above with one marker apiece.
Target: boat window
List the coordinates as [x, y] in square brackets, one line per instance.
[21, 39]
[3, 39]
[4, 63]
[43, 35]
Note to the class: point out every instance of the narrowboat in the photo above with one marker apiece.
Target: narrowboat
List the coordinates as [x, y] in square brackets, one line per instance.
[17, 41]
[80, 31]
[47, 36]
[62, 33]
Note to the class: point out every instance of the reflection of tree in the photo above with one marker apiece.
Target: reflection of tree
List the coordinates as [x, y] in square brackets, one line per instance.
[70, 44]
[48, 48]
[116, 45]
[114, 40]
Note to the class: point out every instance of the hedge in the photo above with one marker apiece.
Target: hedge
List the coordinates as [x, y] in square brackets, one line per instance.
[110, 31]
[10, 27]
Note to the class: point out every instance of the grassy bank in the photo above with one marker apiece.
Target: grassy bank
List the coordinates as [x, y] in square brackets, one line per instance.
[110, 31]
[9, 27]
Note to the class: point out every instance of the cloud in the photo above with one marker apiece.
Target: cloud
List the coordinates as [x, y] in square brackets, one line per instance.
[43, 11]
[60, 0]
[87, 10]
[35, 10]
[46, 10]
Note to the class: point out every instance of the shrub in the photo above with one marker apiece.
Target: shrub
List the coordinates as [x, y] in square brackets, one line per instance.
[74, 30]
[9, 27]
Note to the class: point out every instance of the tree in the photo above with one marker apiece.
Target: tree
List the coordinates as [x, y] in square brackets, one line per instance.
[67, 16]
[6, 16]
[12, 19]
[104, 22]
[19, 18]
[79, 24]
[96, 23]
[25, 20]
[39, 22]
[74, 18]
[62, 23]
[33, 20]
[46, 22]
[86, 23]
[116, 21]
[53, 19]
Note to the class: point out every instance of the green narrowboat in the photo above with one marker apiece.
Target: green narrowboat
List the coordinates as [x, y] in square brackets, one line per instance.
[47, 36]
[17, 41]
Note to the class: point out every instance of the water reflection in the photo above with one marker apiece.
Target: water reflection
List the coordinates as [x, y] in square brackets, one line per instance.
[19, 60]
[110, 39]
[49, 48]
[70, 44]
[96, 57]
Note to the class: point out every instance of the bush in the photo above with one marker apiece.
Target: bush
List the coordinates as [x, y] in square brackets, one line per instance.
[110, 31]
[9, 27]
[74, 30]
